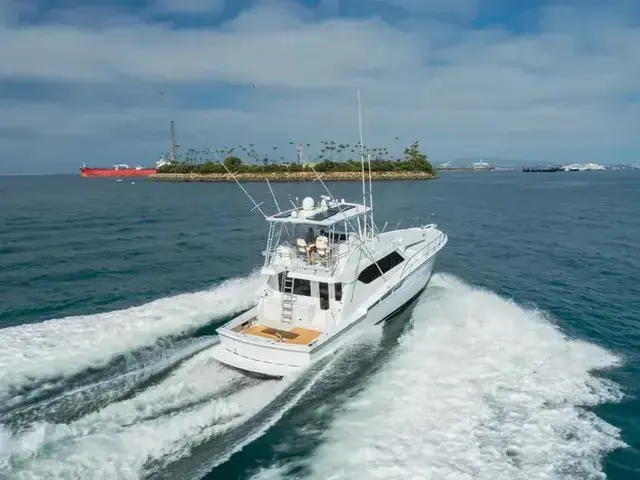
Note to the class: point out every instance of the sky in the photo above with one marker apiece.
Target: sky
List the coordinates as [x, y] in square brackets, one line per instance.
[552, 81]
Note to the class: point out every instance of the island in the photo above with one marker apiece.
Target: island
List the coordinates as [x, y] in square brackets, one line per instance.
[414, 166]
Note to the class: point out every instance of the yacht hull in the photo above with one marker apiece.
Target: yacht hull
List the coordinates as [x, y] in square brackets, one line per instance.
[280, 360]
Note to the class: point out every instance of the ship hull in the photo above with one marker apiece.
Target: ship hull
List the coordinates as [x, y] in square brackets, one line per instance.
[276, 360]
[86, 172]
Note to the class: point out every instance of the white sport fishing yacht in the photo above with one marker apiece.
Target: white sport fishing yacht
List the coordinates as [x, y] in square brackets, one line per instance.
[330, 273]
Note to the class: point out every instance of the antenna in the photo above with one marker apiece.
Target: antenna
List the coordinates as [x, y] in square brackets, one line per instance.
[364, 193]
[173, 142]
[372, 225]
[370, 194]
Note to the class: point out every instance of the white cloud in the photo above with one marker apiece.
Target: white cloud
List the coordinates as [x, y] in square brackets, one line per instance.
[10, 10]
[559, 93]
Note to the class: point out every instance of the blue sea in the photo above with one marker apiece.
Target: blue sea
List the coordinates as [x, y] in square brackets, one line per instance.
[521, 360]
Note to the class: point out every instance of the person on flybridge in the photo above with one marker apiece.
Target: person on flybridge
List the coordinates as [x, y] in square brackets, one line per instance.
[315, 244]
[310, 239]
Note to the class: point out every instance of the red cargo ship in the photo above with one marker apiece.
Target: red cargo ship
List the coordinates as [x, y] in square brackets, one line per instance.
[116, 171]
[124, 170]
[121, 170]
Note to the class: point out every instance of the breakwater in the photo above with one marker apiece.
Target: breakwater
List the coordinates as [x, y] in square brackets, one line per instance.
[287, 176]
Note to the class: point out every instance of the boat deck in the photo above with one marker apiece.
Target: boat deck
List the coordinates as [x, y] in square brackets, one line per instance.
[296, 336]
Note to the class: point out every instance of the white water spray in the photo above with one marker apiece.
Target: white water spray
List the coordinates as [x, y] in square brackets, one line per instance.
[479, 389]
[67, 346]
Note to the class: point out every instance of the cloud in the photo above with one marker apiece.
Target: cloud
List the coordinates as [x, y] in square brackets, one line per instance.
[88, 91]
[11, 10]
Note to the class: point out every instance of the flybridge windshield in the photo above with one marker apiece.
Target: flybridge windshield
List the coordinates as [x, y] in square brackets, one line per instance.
[283, 214]
[320, 213]
[318, 217]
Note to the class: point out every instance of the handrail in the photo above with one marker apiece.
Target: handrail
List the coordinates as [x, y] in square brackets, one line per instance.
[434, 245]
[415, 222]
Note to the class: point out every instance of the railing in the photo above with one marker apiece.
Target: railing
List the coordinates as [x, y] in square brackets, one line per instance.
[425, 252]
[407, 223]
[298, 260]
[294, 259]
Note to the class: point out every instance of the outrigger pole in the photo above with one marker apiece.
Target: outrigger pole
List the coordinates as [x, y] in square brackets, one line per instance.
[364, 194]
[233, 175]
[372, 224]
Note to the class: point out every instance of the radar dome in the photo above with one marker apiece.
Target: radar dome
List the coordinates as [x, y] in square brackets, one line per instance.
[308, 203]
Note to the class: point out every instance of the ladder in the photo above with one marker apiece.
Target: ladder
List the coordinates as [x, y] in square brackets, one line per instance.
[288, 298]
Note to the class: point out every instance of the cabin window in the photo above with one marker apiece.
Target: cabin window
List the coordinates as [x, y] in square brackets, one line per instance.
[324, 295]
[338, 237]
[302, 287]
[281, 277]
[338, 292]
[385, 264]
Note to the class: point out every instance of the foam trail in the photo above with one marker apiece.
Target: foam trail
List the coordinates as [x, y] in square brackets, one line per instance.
[480, 388]
[77, 402]
[67, 346]
[316, 373]
[159, 425]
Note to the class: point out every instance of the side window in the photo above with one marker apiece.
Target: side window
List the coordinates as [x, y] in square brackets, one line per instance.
[385, 264]
[302, 287]
[338, 292]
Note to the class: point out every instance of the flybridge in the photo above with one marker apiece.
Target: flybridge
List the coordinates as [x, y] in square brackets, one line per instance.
[325, 213]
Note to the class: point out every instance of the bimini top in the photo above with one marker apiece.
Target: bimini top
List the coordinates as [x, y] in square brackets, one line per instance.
[324, 213]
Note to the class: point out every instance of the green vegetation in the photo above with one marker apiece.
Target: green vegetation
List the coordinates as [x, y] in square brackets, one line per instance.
[330, 159]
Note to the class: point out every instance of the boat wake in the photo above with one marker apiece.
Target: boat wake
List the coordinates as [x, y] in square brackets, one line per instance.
[121, 394]
[39, 359]
[478, 388]
[197, 401]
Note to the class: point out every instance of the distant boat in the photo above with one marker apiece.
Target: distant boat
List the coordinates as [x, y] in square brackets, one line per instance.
[124, 170]
[548, 168]
[120, 170]
[577, 167]
[481, 165]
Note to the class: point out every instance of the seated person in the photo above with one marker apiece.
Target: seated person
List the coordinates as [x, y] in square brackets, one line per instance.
[310, 239]
[310, 236]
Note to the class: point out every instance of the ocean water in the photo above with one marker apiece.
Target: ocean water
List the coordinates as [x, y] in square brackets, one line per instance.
[520, 361]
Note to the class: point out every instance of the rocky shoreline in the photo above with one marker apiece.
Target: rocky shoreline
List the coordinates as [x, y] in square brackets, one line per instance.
[287, 176]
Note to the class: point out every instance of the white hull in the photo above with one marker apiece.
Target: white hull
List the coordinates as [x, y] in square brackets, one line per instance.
[278, 360]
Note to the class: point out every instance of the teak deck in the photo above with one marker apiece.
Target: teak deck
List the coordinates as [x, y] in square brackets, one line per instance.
[297, 335]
